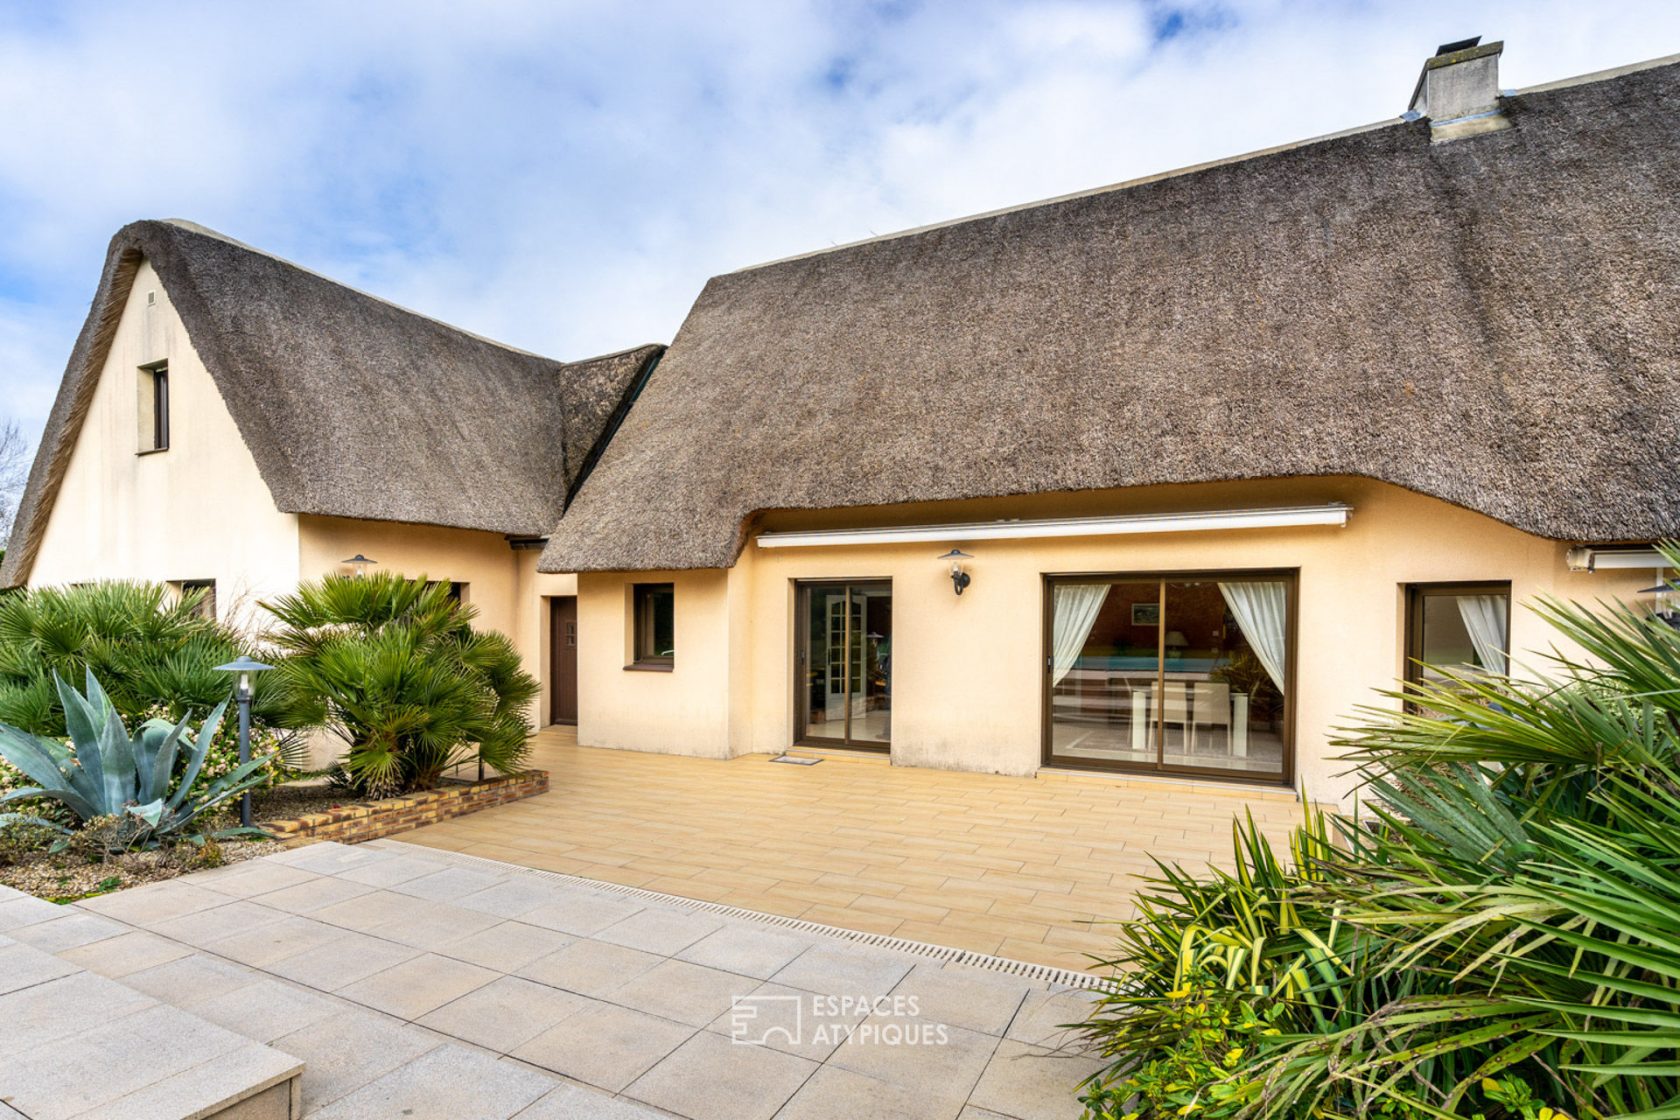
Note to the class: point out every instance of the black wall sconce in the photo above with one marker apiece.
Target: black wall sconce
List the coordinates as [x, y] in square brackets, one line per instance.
[959, 578]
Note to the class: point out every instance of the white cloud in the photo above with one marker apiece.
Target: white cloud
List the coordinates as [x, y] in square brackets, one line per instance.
[566, 176]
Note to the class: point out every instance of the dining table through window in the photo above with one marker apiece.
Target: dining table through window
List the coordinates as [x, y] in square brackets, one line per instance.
[1186, 674]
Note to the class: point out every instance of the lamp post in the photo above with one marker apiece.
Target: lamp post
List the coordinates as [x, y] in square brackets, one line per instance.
[360, 563]
[245, 666]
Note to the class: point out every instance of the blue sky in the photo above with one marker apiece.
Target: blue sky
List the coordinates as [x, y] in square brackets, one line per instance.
[565, 176]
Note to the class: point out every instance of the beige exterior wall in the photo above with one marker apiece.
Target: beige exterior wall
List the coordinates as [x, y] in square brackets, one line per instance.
[503, 583]
[687, 710]
[199, 510]
[969, 671]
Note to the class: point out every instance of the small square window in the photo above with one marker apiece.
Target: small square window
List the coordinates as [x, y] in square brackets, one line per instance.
[207, 605]
[655, 625]
[1457, 629]
[457, 590]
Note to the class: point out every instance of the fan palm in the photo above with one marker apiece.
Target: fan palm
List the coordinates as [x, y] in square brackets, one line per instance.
[394, 668]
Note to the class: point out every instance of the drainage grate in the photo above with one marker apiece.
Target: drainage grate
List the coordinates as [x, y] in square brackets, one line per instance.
[945, 954]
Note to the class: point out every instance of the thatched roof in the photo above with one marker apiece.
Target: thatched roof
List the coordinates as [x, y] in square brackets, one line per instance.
[351, 406]
[1493, 321]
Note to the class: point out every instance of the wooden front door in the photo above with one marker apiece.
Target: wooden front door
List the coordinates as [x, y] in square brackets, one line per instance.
[562, 659]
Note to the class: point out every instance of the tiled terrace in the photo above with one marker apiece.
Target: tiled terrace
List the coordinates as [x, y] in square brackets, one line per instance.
[1018, 867]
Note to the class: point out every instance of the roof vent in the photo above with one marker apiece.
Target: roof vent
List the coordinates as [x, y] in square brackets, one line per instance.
[1459, 91]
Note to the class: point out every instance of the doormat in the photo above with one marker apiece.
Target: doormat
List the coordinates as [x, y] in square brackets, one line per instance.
[792, 761]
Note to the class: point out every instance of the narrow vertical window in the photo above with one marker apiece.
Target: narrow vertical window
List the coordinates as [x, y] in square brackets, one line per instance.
[160, 408]
[154, 407]
[654, 625]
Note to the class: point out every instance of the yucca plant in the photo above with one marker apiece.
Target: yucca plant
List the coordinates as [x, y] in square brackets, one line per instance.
[394, 668]
[104, 773]
[1497, 933]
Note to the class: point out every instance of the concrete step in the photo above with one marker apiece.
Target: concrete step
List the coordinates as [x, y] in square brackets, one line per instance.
[75, 1045]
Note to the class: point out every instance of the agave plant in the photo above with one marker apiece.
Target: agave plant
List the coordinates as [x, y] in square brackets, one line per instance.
[104, 772]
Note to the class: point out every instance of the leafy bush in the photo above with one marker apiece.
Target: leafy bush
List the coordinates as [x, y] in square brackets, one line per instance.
[156, 655]
[1496, 936]
[122, 787]
[393, 667]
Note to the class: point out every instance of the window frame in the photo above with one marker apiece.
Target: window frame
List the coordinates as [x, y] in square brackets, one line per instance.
[1411, 641]
[207, 609]
[157, 401]
[642, 625]
[1050, 760]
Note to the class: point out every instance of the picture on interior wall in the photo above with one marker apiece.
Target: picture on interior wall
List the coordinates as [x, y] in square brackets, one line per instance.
[1146, 614]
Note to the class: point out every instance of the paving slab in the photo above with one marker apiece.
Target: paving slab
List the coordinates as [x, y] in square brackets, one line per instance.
[446, 884]
[507, 946]
[450, 1082]
[116, 957]
[572, 1102]
[504, 1015]
[591, 968]
[251, 877]
[842, 969]
[343, 961]
[833, 1093]
[418, 985]
[351, 1048]
[712, 1078]
[930, 1058]
[747, 950]
[686, 993]
[1032, 1082]
[68, 929]
[605, 1045]
[581, 913]
[24, 966]
[964, 997]
[659, 930]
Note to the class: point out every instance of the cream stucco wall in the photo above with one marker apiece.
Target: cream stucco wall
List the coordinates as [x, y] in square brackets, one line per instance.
[199, 510]
[503, 583]
[969, 671]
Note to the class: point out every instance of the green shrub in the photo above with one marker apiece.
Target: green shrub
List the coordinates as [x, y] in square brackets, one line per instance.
[1496, 936]
[156, 655]
[393, 667]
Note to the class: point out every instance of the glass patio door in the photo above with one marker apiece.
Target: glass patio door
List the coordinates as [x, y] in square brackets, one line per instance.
[1188, 674]
[843, 670]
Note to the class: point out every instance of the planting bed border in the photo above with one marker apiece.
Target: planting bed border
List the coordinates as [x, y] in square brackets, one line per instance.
[350, 824]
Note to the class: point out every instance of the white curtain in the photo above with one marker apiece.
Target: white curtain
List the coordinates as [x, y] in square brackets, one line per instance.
[1074, 609]
[1484, 617]
[1262, 611]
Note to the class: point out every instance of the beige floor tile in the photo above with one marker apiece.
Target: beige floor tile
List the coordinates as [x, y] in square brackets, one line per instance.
[977, 861]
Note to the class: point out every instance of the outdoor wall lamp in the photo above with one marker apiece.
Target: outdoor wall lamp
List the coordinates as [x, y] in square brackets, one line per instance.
[959, 578]
[360, 563]
[245, 666]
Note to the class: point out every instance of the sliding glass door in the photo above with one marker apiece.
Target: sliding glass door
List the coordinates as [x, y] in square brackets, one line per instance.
[843, 664]
[1171, 674]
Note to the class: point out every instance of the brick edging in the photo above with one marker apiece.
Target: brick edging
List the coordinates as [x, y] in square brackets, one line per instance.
[351, 824]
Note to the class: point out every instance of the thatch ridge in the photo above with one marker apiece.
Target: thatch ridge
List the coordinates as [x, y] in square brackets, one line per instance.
[1488, 321]
[351, 405]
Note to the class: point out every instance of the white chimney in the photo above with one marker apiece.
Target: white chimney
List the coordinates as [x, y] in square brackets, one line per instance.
[1459, 91]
